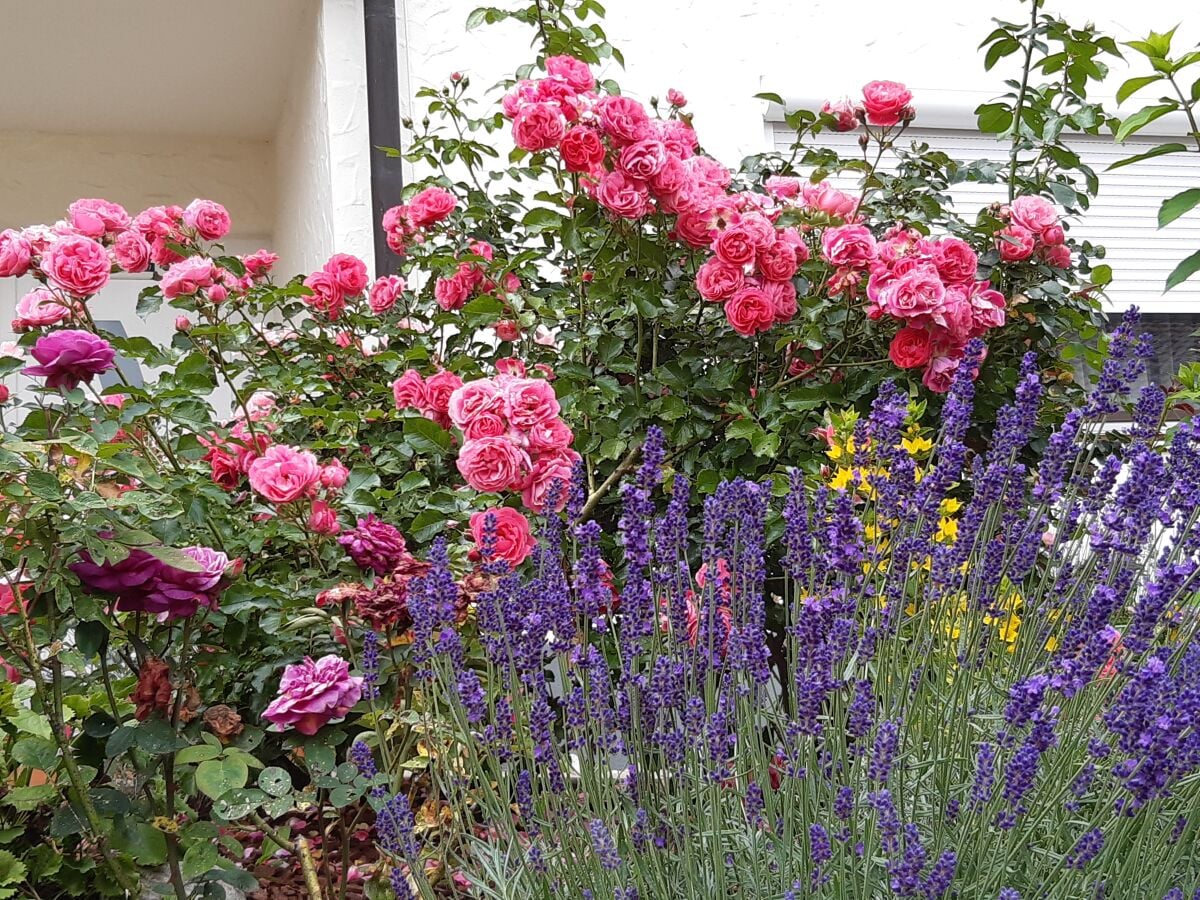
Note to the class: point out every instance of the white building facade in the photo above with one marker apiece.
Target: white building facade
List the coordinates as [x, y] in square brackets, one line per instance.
[263, 106]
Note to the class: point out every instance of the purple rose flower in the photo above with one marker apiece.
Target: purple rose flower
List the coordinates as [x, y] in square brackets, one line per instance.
[312, 694]
[142, 582]
[374, 544]
[69, 356]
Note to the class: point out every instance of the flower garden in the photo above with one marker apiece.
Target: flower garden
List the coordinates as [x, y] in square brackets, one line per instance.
[663, 529]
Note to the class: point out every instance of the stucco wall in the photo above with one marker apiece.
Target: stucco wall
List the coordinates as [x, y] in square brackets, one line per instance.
[721, 54]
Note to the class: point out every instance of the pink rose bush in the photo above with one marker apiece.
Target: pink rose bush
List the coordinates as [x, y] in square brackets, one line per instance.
[313, 694]
[1033, 229]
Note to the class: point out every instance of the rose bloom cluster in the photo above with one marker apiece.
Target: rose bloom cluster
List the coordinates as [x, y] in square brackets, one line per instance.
[429, 396]
[513, 438]
[1033, 229]
[75, 257]
[407, 224]
[470, 279]
[342, 278]
[929, 286]
[278, 473]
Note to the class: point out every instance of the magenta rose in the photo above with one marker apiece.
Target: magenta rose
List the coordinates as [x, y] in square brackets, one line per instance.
[494, 464]
[68, 357]
[623, 196]
[430, 206]
[550, 472]
[259, 263]
[574, 72]
[718, 280]
[473, 399]
[1033, 213]
[207, 218]
[16, 253]
[910, 348]
[886, 102]
[696, 228]
[374, 545]
[409, 391]
[848, 245]
[777, 261]
[188, 277]
[783, 298]
[750, 311]
[1015, 243]
[529, 402]
[513, 539]
[486, 424]
[131, 251]
[623, 119]
[643, 159]
[538, 126]
[283, 474]
[180, 592]
[783, 187]
[37, 309]
[1058, 256]
[97, 218]
[939, 374]
[825, 198]
[385, 292]
[736, 245]
[987, 306]
[313, 694]
[327, 296]
[77, 265]
[349, 272]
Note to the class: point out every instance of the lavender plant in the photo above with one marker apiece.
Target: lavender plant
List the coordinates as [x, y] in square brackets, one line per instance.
[645, 743]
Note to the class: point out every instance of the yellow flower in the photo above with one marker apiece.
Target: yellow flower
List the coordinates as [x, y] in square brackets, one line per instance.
[836, 450]
[916, 445]
[1051, 644]
[950, 506]
[842, 479]
[947, 530]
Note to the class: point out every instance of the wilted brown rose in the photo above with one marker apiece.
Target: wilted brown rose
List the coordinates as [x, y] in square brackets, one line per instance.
[224, 722]
[153, 691]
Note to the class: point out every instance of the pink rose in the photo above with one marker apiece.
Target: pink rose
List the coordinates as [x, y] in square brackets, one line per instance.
[513, 539]
[783, 187]
[486, 424]
[843, 112]
[643, 159]
[886, 102]
[623, 196]
[552, 436]
[956, 262]
[622, 118]
[259, 263]
[208, 218]
[915, 294]
[326, 295]
[717, 280]
[283, 474]
[910, 348]
[676, 98]
[1058, 256]
[1033, 213]
[783, 299]
[494, 464]
[438, 390]
[409, 391]
[1054, 235]
[939, 374]
[574, 72]
[825, 198]
[385, 292]
[1015, 243]
[529, 402]
[131, 251]
[16, 252]
[334, 475]
[430, 206]
[349, 272]
[312, 694]
[987, 308]
[778, 261]
[452, 293]
[538, 126]
[323, 519]
[37, 309]
[474, 399]
[695, 228]
[77, 265]
[848, 245]
[547, 471]
[97, 218]
[750, 311]
[188, 277]
[736, 245]
[582, 150]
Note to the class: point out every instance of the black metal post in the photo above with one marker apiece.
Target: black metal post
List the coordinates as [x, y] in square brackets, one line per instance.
[383, 122]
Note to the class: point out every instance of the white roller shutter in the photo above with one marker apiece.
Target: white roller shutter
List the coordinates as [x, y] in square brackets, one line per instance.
[1123, 218]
